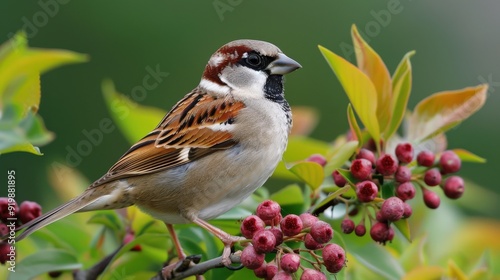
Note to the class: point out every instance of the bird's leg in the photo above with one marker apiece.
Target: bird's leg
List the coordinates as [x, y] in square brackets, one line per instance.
[225, 237]
[168, 272]
[178, 248]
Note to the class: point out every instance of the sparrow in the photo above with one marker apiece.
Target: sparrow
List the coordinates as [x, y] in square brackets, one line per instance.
[213, 149]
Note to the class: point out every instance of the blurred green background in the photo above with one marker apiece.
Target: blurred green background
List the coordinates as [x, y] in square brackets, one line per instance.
[457, 45]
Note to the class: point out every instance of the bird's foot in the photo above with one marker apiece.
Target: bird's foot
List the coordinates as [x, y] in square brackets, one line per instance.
[169, 271]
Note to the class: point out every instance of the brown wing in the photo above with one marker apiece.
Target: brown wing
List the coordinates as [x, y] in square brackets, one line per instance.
[197, 125]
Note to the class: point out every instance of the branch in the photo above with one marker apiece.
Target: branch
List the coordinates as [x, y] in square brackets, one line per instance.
[181, 271]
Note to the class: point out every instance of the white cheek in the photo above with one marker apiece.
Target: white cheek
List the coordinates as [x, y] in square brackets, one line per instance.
[245, 82]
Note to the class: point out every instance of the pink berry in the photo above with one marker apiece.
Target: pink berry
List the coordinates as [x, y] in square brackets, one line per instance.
[282, 275]
[407, 210]
[392, 209]
[404, 152]
[387, 165]
[271, 270]
[390, 236]
[431, 199]
[278, 235]
[338, 179]
[274, 222]
[312, 274]
[453, 187]
[333, 257]
[290, 262]
[317, 158]
[3, 230]
[268, 210]
[361, 169]
[261, 272]
[347, 226]
[405, 191]
[29, 210]
[4, 251]
[322, 232]
[360, 230]
[366, 154]
[311, 244]
[8, 208]
[251, 225]
[380, 232]
[366, 191]
[251, 259]
[432, 177]
[264, 241]
[291, 225]
[449, 162]
[308, 219]
[403, 174]
[379, 217]
[425, 158]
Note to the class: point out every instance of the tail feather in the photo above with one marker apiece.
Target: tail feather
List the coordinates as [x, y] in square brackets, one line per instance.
[56, 214]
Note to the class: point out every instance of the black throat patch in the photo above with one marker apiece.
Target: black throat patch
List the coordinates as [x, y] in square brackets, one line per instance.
[273, 89]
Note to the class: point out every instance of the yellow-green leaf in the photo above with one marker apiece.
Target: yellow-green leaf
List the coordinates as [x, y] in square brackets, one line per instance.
[454, 272]
[401, 89]
[299, 148]
[442, 111]
[353, 124]
[134, 120]
[21, 66]
[467, 156]
[340, 156]
[424, 272]
[374, 67]
[403, 227]
[308, 172]
[359, 89]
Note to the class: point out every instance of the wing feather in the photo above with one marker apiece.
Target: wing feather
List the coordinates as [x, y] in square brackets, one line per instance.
[197, 126]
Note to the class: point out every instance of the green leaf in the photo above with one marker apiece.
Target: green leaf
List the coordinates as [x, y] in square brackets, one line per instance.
[21, 134]
[327, 200]
[299, 148]
[467, 156]
[45, 261]
[360, 90]
[388, 189]
[374, 67]
[413, 255]
[308, 172]
[353, 125]
[348, 176]
[403, 227]
[401, 89]
[134, 120]
[442, 111]
[378, 260]
[290, 198]
[109, 219]
[337, 158]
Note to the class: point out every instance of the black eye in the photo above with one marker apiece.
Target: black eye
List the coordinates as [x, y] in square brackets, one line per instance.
[254, 60]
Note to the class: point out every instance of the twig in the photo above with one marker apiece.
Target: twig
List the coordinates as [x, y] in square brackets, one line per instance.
[200, 268]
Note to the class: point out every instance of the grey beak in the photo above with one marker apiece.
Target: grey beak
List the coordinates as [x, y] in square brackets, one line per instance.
[283, 65]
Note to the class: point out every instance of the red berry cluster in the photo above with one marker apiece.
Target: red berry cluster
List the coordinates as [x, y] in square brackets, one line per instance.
[11, 216]
[268, 232]
[402, 173]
